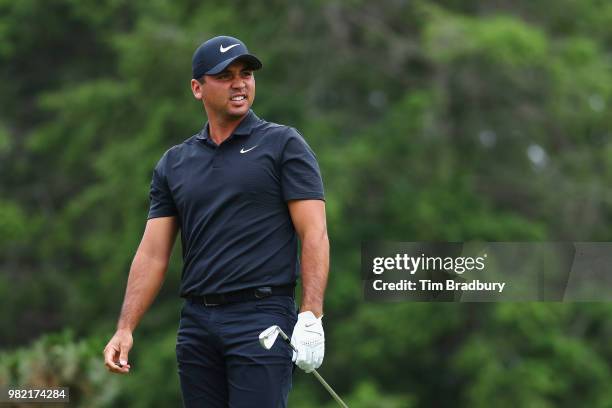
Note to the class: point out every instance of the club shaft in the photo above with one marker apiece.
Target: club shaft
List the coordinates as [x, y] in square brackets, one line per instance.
[329, 389]
[316, 374]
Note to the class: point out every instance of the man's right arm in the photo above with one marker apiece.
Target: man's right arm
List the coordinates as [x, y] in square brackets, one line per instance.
[146, 277]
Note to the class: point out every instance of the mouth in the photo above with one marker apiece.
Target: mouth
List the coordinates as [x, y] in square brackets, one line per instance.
[238, 98]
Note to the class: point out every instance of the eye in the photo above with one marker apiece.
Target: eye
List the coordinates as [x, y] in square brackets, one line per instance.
[247, 73]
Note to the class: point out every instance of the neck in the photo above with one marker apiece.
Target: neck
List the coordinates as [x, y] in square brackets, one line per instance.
[221, 128]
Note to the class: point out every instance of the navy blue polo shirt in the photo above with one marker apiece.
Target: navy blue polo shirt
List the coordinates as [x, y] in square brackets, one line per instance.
[231, 203]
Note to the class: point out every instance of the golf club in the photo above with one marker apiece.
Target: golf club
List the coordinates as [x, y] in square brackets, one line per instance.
[267, 339]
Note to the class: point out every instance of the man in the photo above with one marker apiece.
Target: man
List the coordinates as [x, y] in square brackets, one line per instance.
[241, 191]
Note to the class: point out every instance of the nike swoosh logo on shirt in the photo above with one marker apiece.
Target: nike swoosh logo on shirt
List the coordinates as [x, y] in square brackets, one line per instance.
[247, 150]
[226, 49]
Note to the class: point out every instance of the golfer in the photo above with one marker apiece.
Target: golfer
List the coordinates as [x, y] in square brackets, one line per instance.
[242, 191]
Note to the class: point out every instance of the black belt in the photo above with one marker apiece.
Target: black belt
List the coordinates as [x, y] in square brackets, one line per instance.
[244, 295]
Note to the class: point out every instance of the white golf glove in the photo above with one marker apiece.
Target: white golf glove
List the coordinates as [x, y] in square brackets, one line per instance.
[309, 340]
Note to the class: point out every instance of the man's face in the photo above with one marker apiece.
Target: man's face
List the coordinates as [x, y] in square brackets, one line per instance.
[230, 93]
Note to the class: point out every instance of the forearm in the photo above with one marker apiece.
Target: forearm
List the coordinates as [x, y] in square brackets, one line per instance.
[146, 277]
[315, 269]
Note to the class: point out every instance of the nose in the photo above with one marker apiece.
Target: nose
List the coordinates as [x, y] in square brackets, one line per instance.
[238, 83]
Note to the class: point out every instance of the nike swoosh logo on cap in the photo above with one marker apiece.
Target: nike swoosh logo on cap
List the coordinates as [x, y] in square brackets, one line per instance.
[226, 49]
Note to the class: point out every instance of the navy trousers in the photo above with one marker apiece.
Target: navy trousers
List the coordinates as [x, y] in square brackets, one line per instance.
[220, 361]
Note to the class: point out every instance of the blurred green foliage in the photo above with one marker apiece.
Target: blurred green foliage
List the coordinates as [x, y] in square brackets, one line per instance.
[443, 121]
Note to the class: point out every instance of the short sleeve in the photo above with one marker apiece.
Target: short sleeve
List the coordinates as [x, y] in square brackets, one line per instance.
[300, 174]
[161, 201]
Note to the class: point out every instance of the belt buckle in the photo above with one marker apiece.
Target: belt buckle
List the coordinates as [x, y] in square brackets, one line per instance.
[263, 292]
[206, 303]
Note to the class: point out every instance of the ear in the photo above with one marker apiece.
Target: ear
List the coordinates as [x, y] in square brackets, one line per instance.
[196, 89]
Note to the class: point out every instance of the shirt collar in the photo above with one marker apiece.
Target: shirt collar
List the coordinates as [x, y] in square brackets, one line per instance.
[244, 128]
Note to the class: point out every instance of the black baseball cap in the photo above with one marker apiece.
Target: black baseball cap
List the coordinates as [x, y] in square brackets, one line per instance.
[214, 55]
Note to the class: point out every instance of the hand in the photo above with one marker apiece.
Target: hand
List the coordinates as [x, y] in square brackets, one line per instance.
[116, 352]
[309, 340]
